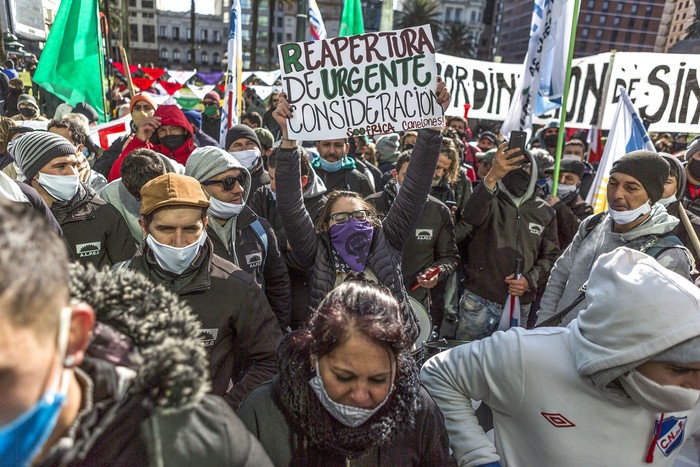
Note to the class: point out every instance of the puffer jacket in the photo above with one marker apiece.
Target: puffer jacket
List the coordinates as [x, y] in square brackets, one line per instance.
[311, 250]
[95, 231]
[239, 329]
[146, 400]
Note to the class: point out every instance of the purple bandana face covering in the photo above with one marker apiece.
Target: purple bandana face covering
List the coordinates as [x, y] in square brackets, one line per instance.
[352, 241]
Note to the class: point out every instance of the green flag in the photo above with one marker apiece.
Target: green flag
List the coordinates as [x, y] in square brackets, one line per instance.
[71, 65]
[351, 23]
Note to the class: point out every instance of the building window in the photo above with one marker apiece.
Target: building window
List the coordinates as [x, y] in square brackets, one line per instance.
[176, 34]
[587, 19]
[148, 4]
[163, 32]
[204, 35]
[216, 58]
[176, 55]
[606, 6]
[599, 34]
[634, 8]
[591, 4]
[134, 32]
[620, 6]
[584, 32]
[189, 55]
[205, 58]
[602, 19]
[613, 36]
[132, 3]
[458, 15]
[616, 21]
[473, 17]
[149, 34]
[188, 34]
[217, 36]
[448, 14]
[289, 37]
[163, 53]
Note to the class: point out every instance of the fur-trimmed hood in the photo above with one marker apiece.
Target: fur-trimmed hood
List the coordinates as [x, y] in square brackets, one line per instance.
[170, 364]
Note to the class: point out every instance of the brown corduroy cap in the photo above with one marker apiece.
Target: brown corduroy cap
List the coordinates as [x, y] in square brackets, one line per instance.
[172, 189]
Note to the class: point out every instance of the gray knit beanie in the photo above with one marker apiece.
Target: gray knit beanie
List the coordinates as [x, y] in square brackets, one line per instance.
[650, 169]
[34, 150]
[209, 161]
[387, 146]
[693, 147]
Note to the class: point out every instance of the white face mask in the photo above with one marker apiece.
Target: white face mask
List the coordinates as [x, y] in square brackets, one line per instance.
[345, 414]
[222, 210]
[666, 201]
[248, 158]
[627, 217]
[657, 398]
[61, 187]
[172, 259]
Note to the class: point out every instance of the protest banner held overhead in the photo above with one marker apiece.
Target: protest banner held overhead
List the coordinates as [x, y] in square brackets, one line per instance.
[374, 83]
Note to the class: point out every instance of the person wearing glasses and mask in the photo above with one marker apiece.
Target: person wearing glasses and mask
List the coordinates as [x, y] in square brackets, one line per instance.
[348, 238]
[211, 115]
[348, 391]
[236, 232]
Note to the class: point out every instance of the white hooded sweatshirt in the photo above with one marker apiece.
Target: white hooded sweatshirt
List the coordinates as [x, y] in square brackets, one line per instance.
[554, 391]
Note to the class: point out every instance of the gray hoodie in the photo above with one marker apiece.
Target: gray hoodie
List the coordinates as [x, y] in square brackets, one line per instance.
[573, 267]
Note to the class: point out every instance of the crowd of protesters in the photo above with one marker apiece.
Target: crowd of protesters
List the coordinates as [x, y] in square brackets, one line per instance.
[171, 300]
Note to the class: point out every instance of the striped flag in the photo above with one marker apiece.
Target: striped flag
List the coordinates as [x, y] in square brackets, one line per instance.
[318, 29]
[510, 317]
[232, 94]
[541, 86]
[627, 134]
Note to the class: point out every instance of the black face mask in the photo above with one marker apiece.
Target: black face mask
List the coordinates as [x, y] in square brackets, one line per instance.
[28, 112]
[173, 142]
[516, 182]
[694, 168]
[551, 140]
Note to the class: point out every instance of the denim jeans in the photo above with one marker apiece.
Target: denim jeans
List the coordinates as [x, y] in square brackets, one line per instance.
[479, 318]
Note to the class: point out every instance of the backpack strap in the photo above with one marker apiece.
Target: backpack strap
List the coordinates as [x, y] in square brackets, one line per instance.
[262, 235]
[593, 222]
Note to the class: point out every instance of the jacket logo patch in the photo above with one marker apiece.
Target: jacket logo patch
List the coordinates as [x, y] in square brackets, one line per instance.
[671, 434]
[208, 336]
[558, 420]
[254, 260]
[83, 250]
[536, 229]
[424, 234]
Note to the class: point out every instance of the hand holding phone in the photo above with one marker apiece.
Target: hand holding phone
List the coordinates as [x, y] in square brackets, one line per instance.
[518, 139]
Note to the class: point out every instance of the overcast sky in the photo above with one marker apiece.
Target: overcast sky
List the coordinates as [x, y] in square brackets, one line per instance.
[205, 7]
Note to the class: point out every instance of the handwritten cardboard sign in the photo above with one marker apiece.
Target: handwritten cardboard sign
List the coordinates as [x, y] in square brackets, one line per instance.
[374, 83]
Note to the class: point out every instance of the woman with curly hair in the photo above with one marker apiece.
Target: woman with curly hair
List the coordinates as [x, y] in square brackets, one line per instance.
[348, 391]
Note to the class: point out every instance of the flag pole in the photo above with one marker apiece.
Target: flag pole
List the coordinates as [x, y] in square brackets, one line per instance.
[565, 98]
[100, 54]
[127, 70]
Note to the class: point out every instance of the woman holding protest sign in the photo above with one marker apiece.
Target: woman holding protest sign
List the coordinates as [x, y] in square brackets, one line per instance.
[349, 239]
[348, 391]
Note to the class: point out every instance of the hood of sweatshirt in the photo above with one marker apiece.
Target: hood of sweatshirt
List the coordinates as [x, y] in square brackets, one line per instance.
[636, 310]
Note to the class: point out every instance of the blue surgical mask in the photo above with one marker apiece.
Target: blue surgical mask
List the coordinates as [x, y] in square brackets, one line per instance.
[627, 217]
[61, 187]
[330, 166]
[248, 158]
[172, 259]
[346, 414]
[22, 438]
[222, 210]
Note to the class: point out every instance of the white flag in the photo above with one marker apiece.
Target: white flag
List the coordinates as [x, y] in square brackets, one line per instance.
[229, 112]
[627, 134]
[541, 86]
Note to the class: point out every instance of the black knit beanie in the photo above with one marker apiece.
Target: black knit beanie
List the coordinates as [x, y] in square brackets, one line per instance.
[241, 131]
[650, 169]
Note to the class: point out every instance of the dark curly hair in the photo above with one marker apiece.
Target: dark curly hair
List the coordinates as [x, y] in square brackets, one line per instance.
[325, 216]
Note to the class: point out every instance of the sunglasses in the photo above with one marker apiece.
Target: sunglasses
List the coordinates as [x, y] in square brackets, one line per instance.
[209, 104]
[343, 217]
[228, 182]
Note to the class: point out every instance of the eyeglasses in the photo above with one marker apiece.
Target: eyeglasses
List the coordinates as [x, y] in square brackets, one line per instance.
[343, 217]
[228, 182]
[208, 103]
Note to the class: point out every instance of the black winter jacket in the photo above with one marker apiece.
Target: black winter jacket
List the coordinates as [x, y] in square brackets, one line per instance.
[266, 266]
[502, 233]
[311, 250]
[430, 244]
[238, 327]
[145, 386]
[95, 231]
